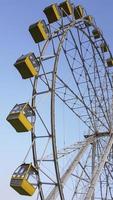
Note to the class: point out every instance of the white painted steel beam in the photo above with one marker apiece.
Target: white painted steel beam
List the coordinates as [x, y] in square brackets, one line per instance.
[98, 170]
[54, 193]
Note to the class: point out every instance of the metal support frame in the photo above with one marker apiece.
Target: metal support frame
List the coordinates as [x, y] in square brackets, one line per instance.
[89, 117]
[67, 174]
[97, 170]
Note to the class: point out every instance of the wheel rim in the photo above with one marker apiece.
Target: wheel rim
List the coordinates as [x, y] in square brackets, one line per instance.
[77, 76]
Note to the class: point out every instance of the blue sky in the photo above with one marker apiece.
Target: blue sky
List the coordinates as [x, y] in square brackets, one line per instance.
[15, 18]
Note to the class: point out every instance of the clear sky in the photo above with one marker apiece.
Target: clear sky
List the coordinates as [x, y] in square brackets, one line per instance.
[15, 18]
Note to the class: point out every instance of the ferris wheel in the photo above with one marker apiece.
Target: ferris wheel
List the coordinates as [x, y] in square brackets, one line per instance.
[70, 115]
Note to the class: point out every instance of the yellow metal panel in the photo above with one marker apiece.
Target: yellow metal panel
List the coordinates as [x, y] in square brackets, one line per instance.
[26, 123]
[104, 47]
[22, 186]
[110, 62]
[31, 70]
[19, 122]
[27, 187]
[57, 13]
[78, 12]
[66, 8]
[26, 68]
[52, 13]
[88, 20]
[41, 28]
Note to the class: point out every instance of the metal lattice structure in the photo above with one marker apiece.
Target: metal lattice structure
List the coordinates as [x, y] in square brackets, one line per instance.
[72, 134]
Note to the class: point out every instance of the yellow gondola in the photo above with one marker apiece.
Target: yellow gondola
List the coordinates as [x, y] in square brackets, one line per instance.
[39, 31]
[52, 13]
[27, 65]
[96, 33]
[109, 62]
[18, 117]
[78, 12]
[88, 20]
[104, 47]
[24, 179]
[66, 8]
